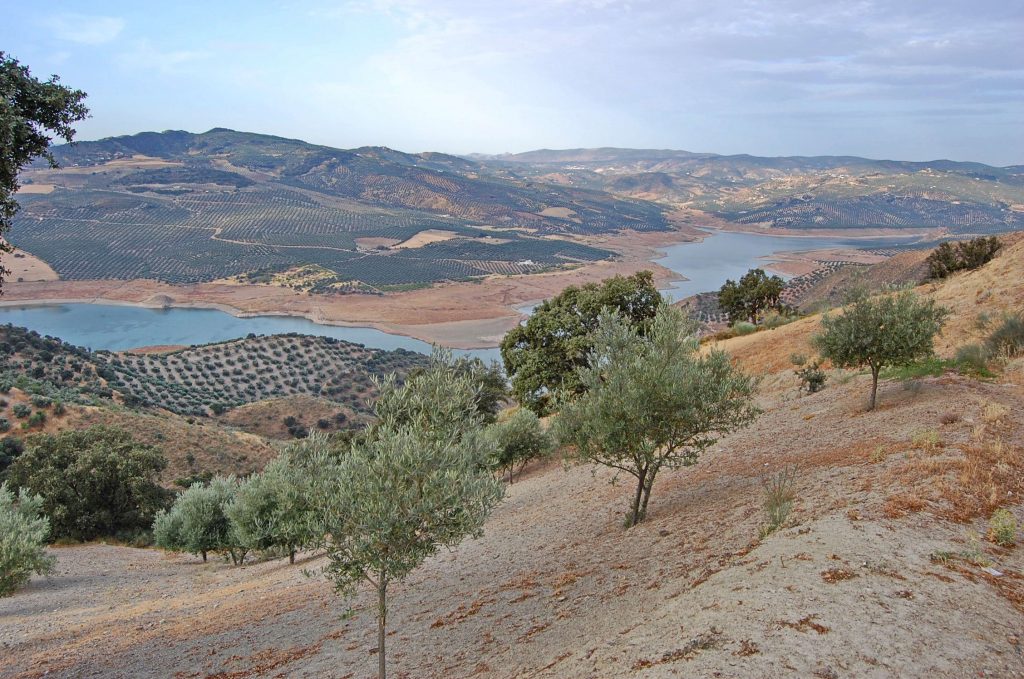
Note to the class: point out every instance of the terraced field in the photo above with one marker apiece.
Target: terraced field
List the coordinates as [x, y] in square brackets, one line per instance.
[183, 208]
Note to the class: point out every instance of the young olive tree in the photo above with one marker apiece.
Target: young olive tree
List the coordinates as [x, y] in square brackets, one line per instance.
[198, 522]
[23, 534]
[275, 507]
[418, 481]
[517, 440]
[876, 332]
[652, 402]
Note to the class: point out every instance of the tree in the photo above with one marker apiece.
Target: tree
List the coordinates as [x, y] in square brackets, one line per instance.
[97, 481]
[23, 534]
[756, 293]
[517, 440]
[652, 402]
[275, 508]
[876, 332]
[416, 482]
[198, 522]
[30, 112]
[541, 356]
[947, 258]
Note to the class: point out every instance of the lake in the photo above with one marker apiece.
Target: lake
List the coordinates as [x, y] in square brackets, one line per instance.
[706, 265]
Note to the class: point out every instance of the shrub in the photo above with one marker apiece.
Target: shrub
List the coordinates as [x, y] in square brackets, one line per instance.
[58, 408]
[37, 419]
[964, 256]
[97, 481]
[972, 359]
[21, 410]
[517, 440]
[23, 534]
[812, 377]
[40, 401]
[779, 495]
[744, 328]
[1002, 528]
[5, 424]
[1008, 339]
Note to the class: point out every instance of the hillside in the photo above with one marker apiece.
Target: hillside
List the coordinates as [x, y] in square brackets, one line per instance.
[185, 208]
[881, 570]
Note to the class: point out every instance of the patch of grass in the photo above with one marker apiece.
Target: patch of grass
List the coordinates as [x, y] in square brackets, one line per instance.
[1002, 528]
[929, 367]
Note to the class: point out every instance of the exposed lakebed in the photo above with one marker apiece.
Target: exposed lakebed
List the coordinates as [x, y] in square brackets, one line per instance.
[706, 265]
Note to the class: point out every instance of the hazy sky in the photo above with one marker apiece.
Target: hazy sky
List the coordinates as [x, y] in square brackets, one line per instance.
[907, 79]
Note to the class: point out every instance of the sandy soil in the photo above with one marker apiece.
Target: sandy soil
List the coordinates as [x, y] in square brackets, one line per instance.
[36, 188]
[800, 263]
[25, 267]
[556, 587]
[426, 238]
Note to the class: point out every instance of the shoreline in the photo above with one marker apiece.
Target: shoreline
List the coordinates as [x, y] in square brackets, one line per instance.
[461, 315]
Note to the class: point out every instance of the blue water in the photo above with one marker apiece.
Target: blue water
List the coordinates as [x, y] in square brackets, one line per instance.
[724, 255]
[115, 327]
[706, 265]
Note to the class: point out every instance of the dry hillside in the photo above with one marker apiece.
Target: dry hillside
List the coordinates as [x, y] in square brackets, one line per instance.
[882, 569]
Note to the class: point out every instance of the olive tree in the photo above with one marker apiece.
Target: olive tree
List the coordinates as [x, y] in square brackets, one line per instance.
[876, 332]
[198, 522]
[23, 534]
[31, 110]
[418, 481]
[275, 507]
[652, 402]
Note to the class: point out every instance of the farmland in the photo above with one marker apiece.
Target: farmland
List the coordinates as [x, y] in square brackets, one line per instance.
[181, 208]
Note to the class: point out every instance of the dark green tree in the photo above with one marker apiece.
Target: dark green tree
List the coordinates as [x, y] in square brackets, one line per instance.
[756, 293]
[542, 356]
[876, 332]
[32, 112]
[98, 481]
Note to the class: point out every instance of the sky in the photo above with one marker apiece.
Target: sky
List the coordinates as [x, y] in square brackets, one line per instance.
[904, 79]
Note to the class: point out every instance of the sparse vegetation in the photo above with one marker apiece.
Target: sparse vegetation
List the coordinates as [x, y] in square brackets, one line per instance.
[812, 377]
[1002, 528]
[779, 495]
[1007, 339]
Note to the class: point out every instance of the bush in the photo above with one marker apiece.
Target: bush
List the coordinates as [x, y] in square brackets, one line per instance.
[972, 359]
[812, 377]
[40, 401]
[23, 534]
[37, 419]
[94, 482]
[1002, 528]
[517, 440]
[744, 328]
[948, 258]
[21, 410]
[1007, 340]
[5, 424]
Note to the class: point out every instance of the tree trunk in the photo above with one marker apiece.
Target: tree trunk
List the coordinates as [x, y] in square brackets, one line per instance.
[291, 556]
[874, 386]
[634, 518]
[203, 552]
[382, 623]
[647, 491]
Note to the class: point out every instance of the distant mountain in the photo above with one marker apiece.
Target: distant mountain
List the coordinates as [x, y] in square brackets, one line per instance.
[795, 192]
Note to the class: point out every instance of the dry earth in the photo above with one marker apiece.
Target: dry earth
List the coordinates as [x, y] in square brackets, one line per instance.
[879, 572]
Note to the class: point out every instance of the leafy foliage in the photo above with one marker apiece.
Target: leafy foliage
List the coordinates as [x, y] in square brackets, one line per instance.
[755, 293]
[417, 481]
[516, 440]
[542, 356]
[890, 330]
[97, 481]
[23, 535]
[964, 256]
[30, 111]
[651, 401]
[198, 522]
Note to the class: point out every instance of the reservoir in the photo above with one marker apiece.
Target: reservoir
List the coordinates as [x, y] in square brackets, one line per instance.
[706, 265]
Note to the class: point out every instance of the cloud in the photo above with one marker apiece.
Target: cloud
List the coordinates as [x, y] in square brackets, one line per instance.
[84, 29]
[145, 56]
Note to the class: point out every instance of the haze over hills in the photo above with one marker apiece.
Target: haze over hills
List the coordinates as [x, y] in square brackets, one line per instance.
[183, 208]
